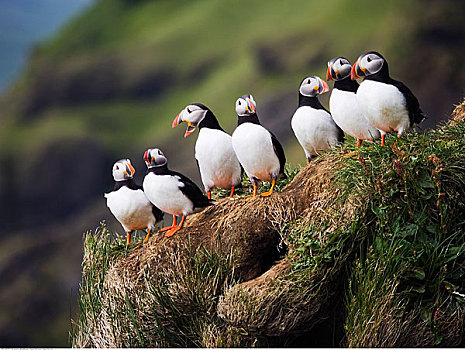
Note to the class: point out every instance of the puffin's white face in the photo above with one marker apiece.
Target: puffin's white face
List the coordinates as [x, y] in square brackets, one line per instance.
[312, 86]
[367, 64]
[123, 170]
[338, 68]
[193, 114]
[245, 105]
[154, 157]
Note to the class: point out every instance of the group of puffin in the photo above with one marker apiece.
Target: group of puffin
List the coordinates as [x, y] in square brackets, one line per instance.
[367, 111]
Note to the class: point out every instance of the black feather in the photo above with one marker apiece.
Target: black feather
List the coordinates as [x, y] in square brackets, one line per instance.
[415, 113]
[279, 151]
[192, 191]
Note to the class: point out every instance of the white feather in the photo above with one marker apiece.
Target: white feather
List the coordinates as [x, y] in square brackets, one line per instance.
[218, 163]
[131, 208]
[254, 149]
[347, 114]
[314, 129]
[163, 191]
[384, 106]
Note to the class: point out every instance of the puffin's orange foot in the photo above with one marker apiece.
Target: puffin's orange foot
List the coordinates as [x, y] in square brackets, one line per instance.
[172, 231]
[254, 193]
[147, 237]
[266, 194]
[167, 228]
[250, 198]
[232, 192]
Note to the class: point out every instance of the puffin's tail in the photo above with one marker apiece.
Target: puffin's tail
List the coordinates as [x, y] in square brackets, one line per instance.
[419, 117]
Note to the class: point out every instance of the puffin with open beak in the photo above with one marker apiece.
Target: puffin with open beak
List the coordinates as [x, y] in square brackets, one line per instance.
[217, 162]
[387, 104]
[258, 150]
[170, 191]
[128, 203]
[312, 124]
[343, 102]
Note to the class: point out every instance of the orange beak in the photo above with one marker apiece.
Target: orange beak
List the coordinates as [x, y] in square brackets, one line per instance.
[252, 107]
[190, 129]
[131, 168]
[353, 72]
[328, 74]
[146, 157]
[176, 120]
[325, 86]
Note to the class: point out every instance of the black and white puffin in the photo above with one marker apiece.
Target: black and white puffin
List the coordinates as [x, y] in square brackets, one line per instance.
[170, 191]
[386, 103]
[343, 102]
[218, 164]
[312, 124]
[128, 203]
[258, 150]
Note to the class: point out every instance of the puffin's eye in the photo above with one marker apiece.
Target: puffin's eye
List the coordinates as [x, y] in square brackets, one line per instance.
[368, 59]
[188, 110]
[340, 62]
[159, 152]
[239, 103]
[309, 81]
[117, 167]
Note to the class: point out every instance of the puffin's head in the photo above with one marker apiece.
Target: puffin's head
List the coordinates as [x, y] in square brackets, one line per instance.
[367, 64]
[123, 170]
[245, 105]
[312, 86]
[154, 157]
[193, 114]
[338, 68]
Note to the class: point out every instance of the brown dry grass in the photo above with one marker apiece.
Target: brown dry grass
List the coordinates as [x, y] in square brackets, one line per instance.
[267, 297]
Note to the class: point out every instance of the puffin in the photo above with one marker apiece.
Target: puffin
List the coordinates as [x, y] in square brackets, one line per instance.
[312, 124]
[258, 150]
[171, 191]
[387, 104]
[128, 203]
[216, 159]
[343, 102]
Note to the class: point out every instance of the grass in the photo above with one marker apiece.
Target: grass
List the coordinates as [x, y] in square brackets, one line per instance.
[174, 307]
[382, 252]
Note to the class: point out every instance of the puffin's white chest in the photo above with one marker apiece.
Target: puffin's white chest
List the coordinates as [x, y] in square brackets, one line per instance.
[131, 208]
[164, 192]
[314, 129]
[254, 149]
[347, 114]
[218, 163]
[383, 105]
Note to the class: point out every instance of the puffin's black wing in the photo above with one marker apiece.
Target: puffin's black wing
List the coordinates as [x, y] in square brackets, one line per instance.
[191, 190]
[279, 151]
[340, 134]
[157, 213]
[415, 113]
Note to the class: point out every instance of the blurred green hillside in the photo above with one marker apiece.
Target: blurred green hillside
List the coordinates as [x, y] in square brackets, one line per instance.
[110, 83]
